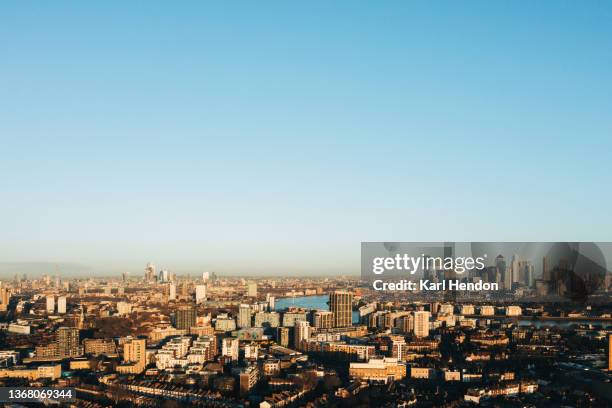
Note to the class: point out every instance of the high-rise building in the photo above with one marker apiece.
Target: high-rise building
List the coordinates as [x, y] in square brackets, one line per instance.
[516, 269]
[244, 316]
[529, 274]
[50, 303]
[185, 318]
[68, 341]
[252, 289]
[230, 348]
[205, 276]
[301, 333]
[164, 276]
[200, 293]
[135, 352]
[323, 319]
[341, 305]
[172, 291]
[405, 323]
[61, 304]
[421, 323]
[546, 268]
[5, 299]
[502, 272]
[150, 272]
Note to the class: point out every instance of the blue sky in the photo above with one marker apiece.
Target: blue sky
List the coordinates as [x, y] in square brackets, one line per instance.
[275, 137]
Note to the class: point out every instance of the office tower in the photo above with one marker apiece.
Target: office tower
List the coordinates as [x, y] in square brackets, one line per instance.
[244, 316]
[323, 319]
[282, 336]
[230, 348]
[172, 291]
[421, 323]
[150, 272]
[252, 289]
[428, 268]
[164, 276]
[125, 276]
[135, 352]
[449, 274]
[50, 303]
[301, 333]
[508, 278]
[530, 275]
[546, 268]
[490, 274]
[341, 305]
[68, 341]
[185, 318]
[516, 260]
[61, 304]
[500, 266]
[205, 276]
[200, 294]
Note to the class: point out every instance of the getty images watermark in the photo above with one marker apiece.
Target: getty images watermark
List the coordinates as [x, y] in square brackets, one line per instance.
[569, 270]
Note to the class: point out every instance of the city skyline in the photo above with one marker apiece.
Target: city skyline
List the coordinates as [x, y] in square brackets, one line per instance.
[151, 342]
[600, 251]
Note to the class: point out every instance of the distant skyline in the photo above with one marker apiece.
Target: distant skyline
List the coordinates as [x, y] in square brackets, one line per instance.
[274, 138]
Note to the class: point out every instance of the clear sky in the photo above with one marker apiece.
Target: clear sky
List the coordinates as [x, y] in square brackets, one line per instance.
[274, 137]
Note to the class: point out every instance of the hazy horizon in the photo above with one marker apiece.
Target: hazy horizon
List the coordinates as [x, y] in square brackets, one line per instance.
[70, 270]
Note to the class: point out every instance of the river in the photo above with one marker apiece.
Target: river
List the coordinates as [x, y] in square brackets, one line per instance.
[308, 302]
[320, 303]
